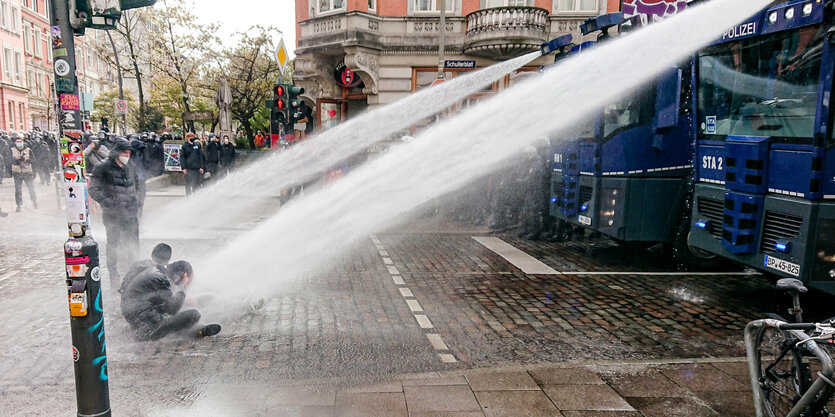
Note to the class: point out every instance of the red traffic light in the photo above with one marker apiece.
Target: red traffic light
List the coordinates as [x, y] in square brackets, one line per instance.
[279, 90]
[279, 104]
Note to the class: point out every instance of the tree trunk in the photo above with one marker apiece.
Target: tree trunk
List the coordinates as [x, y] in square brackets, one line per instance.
[250, 135]
[142, 121]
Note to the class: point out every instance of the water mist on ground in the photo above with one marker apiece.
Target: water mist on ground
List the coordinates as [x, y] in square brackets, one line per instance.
[310, 231]
[262, 180]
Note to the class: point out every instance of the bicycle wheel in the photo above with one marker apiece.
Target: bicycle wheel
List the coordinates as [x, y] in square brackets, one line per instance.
[783, 377]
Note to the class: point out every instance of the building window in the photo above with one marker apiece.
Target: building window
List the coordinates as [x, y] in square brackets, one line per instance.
[433, 5]
[25, 3]
[38, 85]
[4, 14]
[36, 40]
[7, 64]
[18, 65]
[508, 3]
[21, 117]
[35, 6]
[330, 5]
[15, 16]
[372, 5]
[11, 115]
[27, 38]
[29, 76]
[577, 5]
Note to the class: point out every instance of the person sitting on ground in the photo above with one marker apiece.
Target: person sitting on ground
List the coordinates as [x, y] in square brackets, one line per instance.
[160, 256]
[153, 304]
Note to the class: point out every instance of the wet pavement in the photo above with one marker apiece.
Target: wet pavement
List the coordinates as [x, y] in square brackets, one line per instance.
[609, 332]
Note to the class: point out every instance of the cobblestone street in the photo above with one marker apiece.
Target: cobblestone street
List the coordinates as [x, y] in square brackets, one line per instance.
[426, 300]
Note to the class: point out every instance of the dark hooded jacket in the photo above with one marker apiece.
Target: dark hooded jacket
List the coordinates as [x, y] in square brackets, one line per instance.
[192, 157]
[114, 187]
[149, 298]
[213, 151]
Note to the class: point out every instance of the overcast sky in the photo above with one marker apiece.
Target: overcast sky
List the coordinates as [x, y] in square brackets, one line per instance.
[239, 15]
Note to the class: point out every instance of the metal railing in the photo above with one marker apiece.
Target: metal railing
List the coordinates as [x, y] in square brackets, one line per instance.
[507, 19]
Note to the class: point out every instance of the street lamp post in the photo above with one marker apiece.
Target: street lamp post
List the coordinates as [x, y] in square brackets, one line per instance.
[81, 252]
[119, 73]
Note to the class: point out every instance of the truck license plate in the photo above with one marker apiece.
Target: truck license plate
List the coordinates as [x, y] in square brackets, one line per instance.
[584, 220]
[782, 266]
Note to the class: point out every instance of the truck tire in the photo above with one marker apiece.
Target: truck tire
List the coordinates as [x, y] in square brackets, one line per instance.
[690, 258]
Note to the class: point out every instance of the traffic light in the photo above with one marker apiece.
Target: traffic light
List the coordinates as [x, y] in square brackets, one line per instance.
[279, 106]
[296, 110]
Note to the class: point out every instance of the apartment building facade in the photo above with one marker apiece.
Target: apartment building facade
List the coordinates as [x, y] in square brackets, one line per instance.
[356, 54]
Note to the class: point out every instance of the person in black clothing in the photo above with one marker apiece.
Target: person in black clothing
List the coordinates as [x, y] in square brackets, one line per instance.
[115, 185]
[156, 155]
[42, 158]
[213, 155]
[153, 303]
[227, 156]
[193, 162]
[160, 256]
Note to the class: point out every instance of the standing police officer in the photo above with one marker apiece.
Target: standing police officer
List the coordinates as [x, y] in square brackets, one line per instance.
[114, 184]
[193, 162]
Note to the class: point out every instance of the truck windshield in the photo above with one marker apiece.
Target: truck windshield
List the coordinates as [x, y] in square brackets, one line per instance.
[634, 110]
[762, 86]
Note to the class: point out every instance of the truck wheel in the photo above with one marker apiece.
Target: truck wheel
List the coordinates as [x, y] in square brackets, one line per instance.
[692, 258]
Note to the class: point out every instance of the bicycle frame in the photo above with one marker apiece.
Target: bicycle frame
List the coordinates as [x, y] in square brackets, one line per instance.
[753, 369]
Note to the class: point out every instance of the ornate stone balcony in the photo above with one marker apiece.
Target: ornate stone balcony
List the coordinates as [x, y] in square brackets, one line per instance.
[506, 32]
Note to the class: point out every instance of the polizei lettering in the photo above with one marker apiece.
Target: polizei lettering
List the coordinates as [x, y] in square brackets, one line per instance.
[745, 29]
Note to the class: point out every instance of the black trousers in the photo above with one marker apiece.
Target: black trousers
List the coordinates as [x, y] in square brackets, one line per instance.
[214, 169]
[122, 244]
[180, 322]
[193, 178]
[19, 179]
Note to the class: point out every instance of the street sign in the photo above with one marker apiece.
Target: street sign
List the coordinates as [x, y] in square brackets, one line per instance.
[468, 64]
[121, 106]
[86, 101]
[198, 115]
[281, 55]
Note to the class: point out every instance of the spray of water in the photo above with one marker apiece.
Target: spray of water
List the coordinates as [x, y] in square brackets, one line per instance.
[311, 231]
[266, 178]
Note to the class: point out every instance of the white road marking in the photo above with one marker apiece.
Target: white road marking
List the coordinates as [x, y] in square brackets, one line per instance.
[447, 358]
[527, 263]
[414, 306]
[424, 322]
[436, 341]
[7, 276]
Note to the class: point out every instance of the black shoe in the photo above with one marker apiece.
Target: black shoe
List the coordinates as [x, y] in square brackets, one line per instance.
[3, 213]
[35, 205]
[208, 330]
[18, 209]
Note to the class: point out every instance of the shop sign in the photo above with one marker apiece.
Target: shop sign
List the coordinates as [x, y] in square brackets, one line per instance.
[345, 77]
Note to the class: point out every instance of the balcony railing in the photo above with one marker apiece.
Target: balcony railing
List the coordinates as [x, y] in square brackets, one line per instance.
[507, 19]
[505, 32]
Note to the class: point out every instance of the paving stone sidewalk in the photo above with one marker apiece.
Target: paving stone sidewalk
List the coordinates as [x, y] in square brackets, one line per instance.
[712, 387]
[686, 388]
